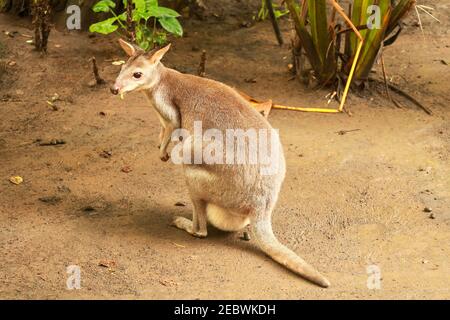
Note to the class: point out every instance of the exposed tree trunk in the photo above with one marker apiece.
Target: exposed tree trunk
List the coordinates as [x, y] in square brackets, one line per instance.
[42, 15]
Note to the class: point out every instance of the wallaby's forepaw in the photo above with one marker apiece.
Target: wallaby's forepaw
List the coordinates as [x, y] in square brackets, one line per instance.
[165, 157]
[186, 225]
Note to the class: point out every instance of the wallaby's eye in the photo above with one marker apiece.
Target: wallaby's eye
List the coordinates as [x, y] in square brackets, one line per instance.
[137, 75]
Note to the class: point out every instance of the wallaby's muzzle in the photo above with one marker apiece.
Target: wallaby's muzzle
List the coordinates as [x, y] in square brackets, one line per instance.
[114, 90]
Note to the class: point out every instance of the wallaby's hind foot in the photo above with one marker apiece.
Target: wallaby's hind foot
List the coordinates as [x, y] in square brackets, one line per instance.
[188, 226]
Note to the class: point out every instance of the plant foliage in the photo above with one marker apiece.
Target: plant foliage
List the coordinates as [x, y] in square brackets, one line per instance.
[330, 45]
[145, 15]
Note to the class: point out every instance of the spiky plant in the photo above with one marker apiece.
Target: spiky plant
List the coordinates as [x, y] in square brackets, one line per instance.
[329, 42]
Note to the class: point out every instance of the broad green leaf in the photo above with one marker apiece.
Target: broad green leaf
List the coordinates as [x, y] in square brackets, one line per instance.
[138, 15]
[162, 12]
[104, 27]
[139, 5]
[151, 4]
[103, 6]
[172, 25]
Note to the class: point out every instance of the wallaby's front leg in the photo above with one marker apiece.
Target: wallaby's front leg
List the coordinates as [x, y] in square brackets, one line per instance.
[165, 134]
[160, 137]
[198, 226]
[169, 122]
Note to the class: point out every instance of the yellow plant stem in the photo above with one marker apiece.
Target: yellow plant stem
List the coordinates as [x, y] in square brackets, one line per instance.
[341, 11]
[350, 77]
[320, 110]
[281, 107]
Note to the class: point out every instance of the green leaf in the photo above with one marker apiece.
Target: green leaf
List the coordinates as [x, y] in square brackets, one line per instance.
[162, 12]
[172, 25]
[151, 4]
[139, 5]
[322, 37]
[105, 26]
[103, 6]
[280, 13]
[160, 38]
[144, 44]
[138, 15]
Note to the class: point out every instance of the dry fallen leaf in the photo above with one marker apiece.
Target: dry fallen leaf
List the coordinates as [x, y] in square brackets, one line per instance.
[16, 179]
[107, 263]
[118, 62]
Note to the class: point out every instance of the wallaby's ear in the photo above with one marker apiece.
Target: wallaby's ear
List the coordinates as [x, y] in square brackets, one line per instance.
[127, 47]
[158, 55]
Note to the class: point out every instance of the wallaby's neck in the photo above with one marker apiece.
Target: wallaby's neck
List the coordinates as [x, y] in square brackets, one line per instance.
[162, 75]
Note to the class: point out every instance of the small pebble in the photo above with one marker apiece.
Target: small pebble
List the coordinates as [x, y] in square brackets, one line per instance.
[432, 216]
[427, 209]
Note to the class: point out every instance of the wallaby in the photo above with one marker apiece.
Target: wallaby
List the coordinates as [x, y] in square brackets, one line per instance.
[228, 196]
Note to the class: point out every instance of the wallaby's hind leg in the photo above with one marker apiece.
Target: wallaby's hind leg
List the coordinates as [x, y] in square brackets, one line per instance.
[198, 226]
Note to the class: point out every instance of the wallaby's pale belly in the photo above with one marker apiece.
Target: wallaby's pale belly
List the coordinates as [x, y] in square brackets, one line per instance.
[224, 219]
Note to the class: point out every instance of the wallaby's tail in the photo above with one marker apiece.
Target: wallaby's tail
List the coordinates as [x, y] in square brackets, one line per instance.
[283, 255]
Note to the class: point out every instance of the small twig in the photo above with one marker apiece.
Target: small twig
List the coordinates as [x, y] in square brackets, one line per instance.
[406, 95]
[386, 85]
[410, 98]
[420, 20]
[130, 23]
[202, 66]
[98, 79]
[421, 7]
[342, 132]
[273, 19]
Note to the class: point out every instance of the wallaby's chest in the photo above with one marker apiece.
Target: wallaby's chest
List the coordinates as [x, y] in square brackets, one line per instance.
[166, 111]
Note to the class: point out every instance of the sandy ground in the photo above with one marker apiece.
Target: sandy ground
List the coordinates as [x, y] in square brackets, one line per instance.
[348, 201]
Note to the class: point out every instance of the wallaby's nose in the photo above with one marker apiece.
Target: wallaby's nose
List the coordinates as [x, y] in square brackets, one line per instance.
[114, 90]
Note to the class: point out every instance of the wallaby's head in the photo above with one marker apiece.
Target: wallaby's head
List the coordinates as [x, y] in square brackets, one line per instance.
[140, 71]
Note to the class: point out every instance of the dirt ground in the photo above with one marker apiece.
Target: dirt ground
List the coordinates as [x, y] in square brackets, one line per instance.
[349, 201]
